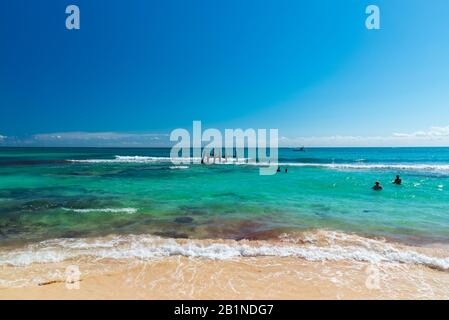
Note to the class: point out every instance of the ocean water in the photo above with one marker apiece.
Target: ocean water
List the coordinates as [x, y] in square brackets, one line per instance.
[88, 193]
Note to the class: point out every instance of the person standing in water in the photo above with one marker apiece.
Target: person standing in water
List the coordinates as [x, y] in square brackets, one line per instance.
[398, 180]
[377, 186]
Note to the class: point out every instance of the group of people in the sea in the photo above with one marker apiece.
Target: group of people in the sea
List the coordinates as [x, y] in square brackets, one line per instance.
[216, 156]
[279, 169]
[378, 187]
[213, 155]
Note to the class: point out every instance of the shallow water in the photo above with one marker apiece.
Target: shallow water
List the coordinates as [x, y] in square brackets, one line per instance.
[44, 195]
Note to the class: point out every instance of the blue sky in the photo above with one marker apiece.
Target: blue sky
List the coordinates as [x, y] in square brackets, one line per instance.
[138, 69]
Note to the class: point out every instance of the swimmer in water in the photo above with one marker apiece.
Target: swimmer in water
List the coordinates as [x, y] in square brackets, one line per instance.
[398, 180]
[279, 169]
[377, 186]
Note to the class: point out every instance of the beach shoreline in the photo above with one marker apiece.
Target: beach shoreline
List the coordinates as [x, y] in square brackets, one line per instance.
[132, 227]
[318, 265]
[242, 278]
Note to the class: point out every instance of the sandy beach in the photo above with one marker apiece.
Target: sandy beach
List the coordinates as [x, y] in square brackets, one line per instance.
[181, 277]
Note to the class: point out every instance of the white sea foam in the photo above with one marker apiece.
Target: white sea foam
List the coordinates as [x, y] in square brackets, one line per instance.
[146, 247]
[441, 168]
[358, 165]
[136, 159]
[142, 159]
[104, 210]
[178, 167]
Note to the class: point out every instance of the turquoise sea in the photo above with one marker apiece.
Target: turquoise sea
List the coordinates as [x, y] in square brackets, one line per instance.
[51, 193]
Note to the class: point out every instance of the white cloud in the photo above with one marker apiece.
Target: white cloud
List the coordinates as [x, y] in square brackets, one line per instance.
[435, 136]
[433, 132]
[106, 139]
[95, 136]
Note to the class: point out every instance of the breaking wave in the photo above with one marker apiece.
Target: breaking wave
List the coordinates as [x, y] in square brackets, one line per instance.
[144, 159]
[358, 165]
[316, 246]
[134, 159]
[437, 168]
[105, 210]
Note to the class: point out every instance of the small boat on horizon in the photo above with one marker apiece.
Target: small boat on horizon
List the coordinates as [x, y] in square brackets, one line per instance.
[300, 149]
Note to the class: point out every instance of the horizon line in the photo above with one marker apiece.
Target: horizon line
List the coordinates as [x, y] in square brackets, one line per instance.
[168, 147]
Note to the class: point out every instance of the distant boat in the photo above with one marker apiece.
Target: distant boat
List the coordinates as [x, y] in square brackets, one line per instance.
[300, 149]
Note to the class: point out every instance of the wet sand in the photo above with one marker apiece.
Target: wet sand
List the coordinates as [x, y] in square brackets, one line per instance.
[179, 277]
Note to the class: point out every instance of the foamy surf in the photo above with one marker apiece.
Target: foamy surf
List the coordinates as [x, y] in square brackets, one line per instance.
[321, 246]
[136, 159]
[175, 160]
[104, 210]
[441, 168]
[358, 165]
